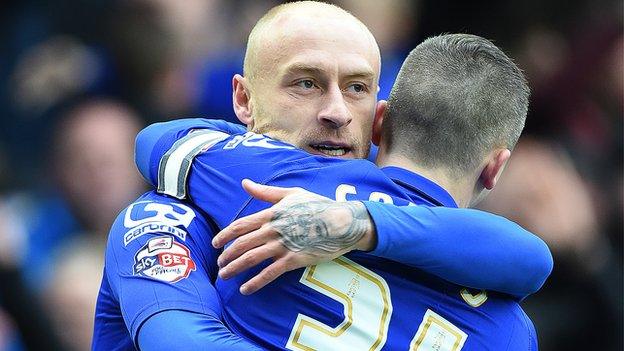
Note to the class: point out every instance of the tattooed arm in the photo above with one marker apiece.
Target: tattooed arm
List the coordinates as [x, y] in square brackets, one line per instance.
[303, 229]
[322, 226]
[300, 230]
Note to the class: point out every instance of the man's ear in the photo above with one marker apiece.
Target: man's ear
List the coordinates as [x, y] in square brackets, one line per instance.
[494, 167]
[380, 112]
[241, 100]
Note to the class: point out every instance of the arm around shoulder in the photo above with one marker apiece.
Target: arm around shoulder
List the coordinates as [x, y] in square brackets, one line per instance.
[156, 139]
[464, 246]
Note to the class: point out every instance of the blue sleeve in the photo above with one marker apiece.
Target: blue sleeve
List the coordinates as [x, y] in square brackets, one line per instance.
[467, 247]
[175, 330]
[154, 141]
[159, 258]
[214, 176]
[207, 166]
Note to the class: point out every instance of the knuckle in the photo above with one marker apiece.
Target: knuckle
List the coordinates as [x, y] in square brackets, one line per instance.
[280, 268]
[241, 243]
[225, 256]
[247, 258]
[294, 263]
[289, 260]
[235, 227]
[271, 273]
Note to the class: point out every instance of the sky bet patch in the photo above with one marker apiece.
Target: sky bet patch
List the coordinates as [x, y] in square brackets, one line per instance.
[163, 259]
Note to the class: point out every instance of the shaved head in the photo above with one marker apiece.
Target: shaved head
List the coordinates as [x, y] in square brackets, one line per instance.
[311, 78]
[292, 20]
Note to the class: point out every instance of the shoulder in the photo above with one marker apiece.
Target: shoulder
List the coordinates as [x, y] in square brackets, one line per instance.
[252, 146]
[161, 238]
[155, 213]
[257, 156]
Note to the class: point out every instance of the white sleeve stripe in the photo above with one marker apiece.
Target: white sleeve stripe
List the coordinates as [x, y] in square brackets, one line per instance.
[176, 163]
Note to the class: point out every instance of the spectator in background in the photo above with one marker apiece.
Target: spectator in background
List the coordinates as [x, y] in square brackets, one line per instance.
[93, 161]
[214, 75]
[393, 22]
[93, 165]
[23, 321]
[63, 228]
[577, 114]
[70, 297]
[543, 191]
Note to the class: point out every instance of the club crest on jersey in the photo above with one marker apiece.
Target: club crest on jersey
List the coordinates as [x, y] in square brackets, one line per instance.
[164, 259]
[144, 217]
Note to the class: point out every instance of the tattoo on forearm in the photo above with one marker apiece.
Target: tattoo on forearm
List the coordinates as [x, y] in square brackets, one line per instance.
[321, 225]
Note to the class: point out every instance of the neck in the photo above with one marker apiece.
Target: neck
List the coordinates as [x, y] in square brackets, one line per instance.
[461, 190]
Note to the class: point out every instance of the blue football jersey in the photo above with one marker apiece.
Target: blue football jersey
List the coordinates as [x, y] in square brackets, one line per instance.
[158, 258]
[356, 302]
[504, 257]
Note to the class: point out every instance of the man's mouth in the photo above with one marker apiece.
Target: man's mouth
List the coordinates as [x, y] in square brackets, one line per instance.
[330, 150]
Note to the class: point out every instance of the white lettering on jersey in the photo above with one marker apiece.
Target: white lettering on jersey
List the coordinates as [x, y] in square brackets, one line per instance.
[347, 189]
[251, 139]
[380, 197]
[367, 305]
[143, 217]
[436, 333]
[342, 190]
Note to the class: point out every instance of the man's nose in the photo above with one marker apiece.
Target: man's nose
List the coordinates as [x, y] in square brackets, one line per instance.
[335, 114]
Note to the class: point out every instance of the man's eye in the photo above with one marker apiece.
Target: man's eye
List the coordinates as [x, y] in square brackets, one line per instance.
[305, 83]
[356, 88]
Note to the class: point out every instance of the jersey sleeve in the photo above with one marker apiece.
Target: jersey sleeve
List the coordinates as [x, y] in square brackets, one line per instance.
[467, 247]
[155, 140]
[175, 329]
[159, 258]
[199, 160]
[208, 165]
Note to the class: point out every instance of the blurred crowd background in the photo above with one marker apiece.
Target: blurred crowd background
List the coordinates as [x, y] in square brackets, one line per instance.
[79, 78]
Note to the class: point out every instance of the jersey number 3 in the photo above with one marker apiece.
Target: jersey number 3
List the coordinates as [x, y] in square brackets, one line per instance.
[365, 297]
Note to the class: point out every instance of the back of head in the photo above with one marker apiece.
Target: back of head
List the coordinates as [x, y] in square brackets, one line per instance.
[456, 98]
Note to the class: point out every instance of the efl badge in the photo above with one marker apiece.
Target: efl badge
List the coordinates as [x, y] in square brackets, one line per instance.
[164, 259]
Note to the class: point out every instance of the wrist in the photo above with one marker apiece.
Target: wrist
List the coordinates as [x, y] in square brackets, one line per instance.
[368, 241]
